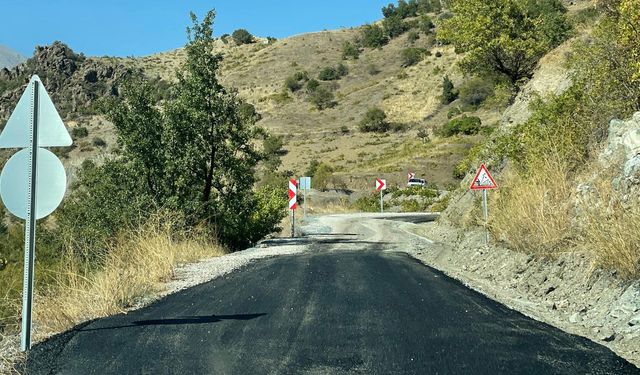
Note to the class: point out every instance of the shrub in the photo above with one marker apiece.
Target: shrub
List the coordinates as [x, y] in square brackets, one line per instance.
[423, 134]
[242, 36]
[79, 132]
[394, 27]
[370, 203]
[412, 56]
[295, 82]
[375, 120]
[312, 85]
[426, 24]
[438, 54]
[312, 168]
[449, 93]
[322, 176]
[350, 51]
[413, 36]
[331, 74]
[475, 91]
[322, 98]
[373, 36]
[461, 125]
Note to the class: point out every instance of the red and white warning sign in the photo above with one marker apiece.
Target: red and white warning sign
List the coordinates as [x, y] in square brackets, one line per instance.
[410, 175]
[293, 194]
[381, 184]
[483, 180]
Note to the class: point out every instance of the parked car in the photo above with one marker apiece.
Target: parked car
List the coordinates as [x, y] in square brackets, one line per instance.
[417, 182]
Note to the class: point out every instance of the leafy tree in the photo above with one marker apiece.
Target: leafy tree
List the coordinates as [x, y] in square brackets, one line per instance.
[196, 156]
[505, 37]
[242, 36]
[449, 93]
[373, 36]
[322, 98]
[394, 26]
[322, 176]
[374, 120]
[312, 168]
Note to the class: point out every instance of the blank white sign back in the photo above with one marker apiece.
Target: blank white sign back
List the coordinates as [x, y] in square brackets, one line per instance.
[14, 183]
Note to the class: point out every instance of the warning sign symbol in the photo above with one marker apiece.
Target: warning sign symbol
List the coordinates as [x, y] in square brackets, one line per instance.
[483, 180]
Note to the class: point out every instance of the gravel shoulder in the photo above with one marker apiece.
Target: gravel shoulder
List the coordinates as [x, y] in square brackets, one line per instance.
[186, 276]
[564, 292]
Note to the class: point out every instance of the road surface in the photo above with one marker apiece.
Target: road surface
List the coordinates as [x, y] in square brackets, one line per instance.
[353, 303]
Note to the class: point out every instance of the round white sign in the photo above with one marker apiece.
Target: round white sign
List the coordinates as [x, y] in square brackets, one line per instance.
[51, 183]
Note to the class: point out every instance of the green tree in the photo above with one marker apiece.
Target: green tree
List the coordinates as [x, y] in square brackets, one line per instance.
[322, 98]
[242, 36]
[373, 36]
[394, 26]
[449, 93]
[374, 120]
[505, 37]
[350, 51]
[412, 56]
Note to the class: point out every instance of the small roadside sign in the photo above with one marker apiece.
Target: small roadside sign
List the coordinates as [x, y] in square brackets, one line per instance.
[380, 186]
[33, 181]
[483, 180]
[305, 183]
[293, 204]
[410, 175]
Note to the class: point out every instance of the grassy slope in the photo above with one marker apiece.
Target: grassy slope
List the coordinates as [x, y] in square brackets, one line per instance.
[408, 95]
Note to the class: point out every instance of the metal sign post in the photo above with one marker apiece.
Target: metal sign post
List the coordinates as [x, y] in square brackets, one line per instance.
[33, 180]
[381, 203]
[484, 181]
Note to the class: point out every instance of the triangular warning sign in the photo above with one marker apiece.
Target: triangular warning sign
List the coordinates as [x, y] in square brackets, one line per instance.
[483, 180]
[51, 129]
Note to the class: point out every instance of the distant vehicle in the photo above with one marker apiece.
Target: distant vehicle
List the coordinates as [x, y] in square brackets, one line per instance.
[417, 182]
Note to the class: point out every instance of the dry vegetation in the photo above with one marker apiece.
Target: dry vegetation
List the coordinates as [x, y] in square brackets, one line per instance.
[132, 270]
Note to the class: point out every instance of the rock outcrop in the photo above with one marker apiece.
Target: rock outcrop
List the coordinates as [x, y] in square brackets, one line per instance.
[74, 81]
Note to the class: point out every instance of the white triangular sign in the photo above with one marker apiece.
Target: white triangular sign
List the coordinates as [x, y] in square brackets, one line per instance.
[51, 129]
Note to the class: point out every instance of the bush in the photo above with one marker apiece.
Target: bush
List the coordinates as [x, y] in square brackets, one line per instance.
[449, 93]
[413, 36]
[322, 176]
[475, 91]
[322, 98]
[394, 27]
[370, 203]
[312, 168]
[312, 85]
[79, 132]
[412, 56]
[461, 125]
[242, 36]
[332, 74]
[426, 24]
[375, 120]
[350, 51]
[295, 82]
[373, 36]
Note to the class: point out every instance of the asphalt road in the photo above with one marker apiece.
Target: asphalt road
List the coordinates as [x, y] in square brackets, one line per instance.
[345, 307]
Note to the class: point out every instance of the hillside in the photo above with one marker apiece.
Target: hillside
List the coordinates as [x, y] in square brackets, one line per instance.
[10, 58]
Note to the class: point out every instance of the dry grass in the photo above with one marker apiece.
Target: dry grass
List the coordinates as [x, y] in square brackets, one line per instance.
[133, 269]
[611, 231]
[533, 214]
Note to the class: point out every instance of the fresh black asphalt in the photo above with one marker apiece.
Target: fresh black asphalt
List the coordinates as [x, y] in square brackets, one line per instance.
[325, 312]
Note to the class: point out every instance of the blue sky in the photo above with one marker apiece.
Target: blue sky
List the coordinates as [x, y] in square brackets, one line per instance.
[142, 27]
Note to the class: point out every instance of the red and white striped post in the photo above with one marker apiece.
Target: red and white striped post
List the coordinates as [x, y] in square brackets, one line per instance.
[293, 204]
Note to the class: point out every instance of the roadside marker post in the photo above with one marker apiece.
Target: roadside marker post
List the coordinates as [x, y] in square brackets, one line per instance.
[33, 181]
[293, 204]
[410, 175]
[380, 186]
[484, 181]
